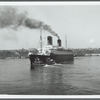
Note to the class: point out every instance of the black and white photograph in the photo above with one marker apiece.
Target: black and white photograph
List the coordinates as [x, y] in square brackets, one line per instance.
[50, 48]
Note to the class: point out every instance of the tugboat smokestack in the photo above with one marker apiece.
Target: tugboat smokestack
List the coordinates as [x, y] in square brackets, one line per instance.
[59, 42]
[49, 40]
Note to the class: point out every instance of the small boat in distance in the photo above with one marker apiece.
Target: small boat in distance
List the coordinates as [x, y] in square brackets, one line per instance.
[50, 54]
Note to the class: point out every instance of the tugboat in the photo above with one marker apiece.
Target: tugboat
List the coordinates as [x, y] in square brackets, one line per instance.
[49, 54]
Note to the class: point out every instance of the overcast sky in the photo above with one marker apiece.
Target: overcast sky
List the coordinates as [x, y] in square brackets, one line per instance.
[81, 24]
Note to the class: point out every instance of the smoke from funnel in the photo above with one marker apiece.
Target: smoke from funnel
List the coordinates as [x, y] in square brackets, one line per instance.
[9, 17]
[32, 23]
[48, 28]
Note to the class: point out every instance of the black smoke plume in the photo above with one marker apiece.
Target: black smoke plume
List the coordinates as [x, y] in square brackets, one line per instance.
[9, 17]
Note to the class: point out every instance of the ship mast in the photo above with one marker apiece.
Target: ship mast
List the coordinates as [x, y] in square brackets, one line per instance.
[65, 41]
[41, 37]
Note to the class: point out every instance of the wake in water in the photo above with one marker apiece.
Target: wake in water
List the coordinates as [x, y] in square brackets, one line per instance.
[54, 65]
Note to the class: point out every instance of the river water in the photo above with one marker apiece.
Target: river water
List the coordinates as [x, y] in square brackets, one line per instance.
[80, 78]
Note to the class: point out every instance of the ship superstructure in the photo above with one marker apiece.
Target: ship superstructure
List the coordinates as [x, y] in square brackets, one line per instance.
[50, 54]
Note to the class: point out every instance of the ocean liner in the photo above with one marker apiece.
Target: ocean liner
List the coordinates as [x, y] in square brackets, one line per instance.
[50, 54]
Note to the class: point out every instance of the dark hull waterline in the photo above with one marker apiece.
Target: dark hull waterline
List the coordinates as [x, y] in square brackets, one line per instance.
[50, 59]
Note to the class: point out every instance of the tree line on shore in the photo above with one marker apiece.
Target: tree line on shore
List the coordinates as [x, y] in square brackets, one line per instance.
[83, 52]
[23, 53]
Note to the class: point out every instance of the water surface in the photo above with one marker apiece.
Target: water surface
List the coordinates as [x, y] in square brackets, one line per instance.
[81, 77]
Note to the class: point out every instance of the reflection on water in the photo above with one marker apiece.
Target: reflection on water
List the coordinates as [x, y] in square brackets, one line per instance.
[48, 78]
[80, 77]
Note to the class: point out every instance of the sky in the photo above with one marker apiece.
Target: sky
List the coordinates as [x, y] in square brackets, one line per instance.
[79, 23]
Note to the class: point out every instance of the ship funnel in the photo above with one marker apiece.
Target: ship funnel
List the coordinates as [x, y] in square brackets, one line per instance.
[59, 42]
[49, 40]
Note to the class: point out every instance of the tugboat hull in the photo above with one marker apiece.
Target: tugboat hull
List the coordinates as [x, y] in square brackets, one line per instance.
[38, 60]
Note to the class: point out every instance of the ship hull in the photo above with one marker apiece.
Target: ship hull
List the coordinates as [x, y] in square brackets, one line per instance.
[61, 58]
[51, 59]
